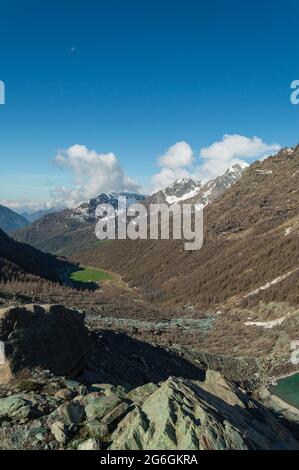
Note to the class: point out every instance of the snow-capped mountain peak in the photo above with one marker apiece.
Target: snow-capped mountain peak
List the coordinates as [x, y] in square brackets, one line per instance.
[217, 186]
[181, 189]
[186, 189]
[86, 212]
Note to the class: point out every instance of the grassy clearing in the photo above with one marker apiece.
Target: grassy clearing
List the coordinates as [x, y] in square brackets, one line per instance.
[86, 274]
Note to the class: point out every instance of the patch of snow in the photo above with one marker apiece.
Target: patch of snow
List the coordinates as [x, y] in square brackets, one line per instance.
[264, 172]
[266, 324]
[271, 283]
[175, 199]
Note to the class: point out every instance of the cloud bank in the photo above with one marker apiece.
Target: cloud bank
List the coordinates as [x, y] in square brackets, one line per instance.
[94, 173]
[27, 206]
[180, 160]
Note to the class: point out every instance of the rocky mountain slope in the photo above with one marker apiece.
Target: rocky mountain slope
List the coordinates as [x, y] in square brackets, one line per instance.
[214, 188]
[250, 245]
[149, 399]
[10, 220]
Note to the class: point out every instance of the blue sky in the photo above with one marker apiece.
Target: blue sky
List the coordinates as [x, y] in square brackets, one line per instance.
[134, 78]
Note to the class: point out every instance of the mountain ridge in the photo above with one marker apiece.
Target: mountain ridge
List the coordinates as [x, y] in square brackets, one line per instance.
[10, 220]
[19, 261]
[59, 232]
[190, 191]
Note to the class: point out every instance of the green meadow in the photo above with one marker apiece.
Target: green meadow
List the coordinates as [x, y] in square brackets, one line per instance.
[86, 274]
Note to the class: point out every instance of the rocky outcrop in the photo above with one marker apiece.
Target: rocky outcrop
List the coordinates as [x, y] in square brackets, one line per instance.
[51, 337]
[49, 412]
[192, 415]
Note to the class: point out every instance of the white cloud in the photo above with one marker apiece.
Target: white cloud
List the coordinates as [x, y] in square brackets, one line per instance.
[177, 156]
[93, 173]
[173, 165]
[232, 149]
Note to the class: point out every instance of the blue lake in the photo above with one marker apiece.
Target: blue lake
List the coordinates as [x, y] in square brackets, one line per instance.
[288, 390]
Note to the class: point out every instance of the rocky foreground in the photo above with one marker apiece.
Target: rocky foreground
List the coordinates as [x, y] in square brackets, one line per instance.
[150, 398]
[49, 412]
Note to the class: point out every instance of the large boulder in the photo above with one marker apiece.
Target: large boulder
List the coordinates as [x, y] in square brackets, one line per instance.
[51, 337]
[99, 406]
[16, 407]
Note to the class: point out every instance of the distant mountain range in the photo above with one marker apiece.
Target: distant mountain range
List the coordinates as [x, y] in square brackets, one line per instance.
[72, 230]
[33, 216]
[10, 220]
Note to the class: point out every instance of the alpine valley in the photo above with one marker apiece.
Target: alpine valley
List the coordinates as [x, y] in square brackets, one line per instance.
[126, 345]
[149, 232]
